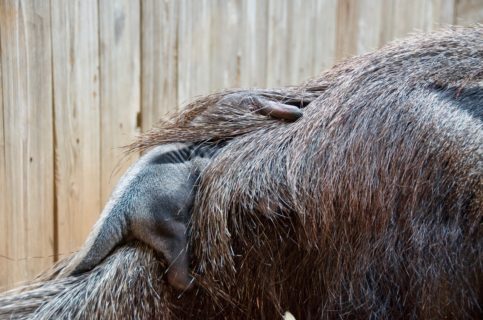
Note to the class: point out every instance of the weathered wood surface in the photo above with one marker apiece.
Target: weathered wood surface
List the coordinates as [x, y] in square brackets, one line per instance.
[159, 74]
[28, 210]
[79, 79]
[4, 261]
[77, 120]
[120, 86]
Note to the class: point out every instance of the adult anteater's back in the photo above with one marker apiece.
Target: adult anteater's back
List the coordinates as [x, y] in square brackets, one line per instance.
[369, 206]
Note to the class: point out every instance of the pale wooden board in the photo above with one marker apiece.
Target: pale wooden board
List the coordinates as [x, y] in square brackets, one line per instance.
[226, 43]
[301, 46]
[252, 66]
[292, 36]
[346, 39]
[27, 105]
[359, 27]
[403, 17]
[238, 44]
[120, 96]
[277, 51]
[445, 12]
[77, 120]
[408, 16]
[159, 53]
[469, 12]
[193, 49]
[4, 259]
[324, 35]
[369, 25]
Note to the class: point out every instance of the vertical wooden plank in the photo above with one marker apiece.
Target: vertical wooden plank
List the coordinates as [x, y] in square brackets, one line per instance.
[27, 105]
[408, 16]
[253, 65]
[359, 26]
[193, 49]
[225, 40]
[77, 120]
[387, 33]
[469, 12]
[369, 25]
[324, 33]
[4, 259]
[300, 48]
[119, 24]
[159, 52]
[405, 16]
[291, 48]
[346, 41]
[278, 37]
[445, 12]
[222, 44]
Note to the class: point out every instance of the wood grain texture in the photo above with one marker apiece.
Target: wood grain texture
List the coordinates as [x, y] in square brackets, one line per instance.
[301, 40]
[4, 260]
[410, 16]
[359, 26]
[28, 125]
[292, 41]
[347, 28]
[193, 49]
[369, 25]
[446, 11]
[226, 42]
[277, 51]
[468, 12]
[120, 96]
[301, 46]
[324, 35]
[77, 120]
[159, 49]
[402, 17]
[252, 66]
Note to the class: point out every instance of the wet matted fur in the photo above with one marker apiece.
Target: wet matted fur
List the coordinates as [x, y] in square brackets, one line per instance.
[369, 206]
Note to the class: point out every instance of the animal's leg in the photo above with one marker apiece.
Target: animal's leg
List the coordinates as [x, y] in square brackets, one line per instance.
[169, 239]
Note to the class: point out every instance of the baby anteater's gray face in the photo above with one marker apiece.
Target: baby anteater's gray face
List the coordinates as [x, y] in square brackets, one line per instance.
[162, 199]
[152, 203]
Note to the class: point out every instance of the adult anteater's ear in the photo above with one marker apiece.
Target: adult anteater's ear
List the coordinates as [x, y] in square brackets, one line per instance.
[277, 110]
[254, 102]
[271, 108]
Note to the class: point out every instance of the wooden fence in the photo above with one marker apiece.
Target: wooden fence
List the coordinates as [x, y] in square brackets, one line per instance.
[80, 78]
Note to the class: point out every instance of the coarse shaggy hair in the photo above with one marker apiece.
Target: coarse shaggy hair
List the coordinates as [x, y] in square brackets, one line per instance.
[369, 206]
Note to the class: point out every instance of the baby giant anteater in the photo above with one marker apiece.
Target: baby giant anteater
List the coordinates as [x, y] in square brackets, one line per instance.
[153, 200]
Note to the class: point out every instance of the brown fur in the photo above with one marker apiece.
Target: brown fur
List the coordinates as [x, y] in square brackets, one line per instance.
[369, 206]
